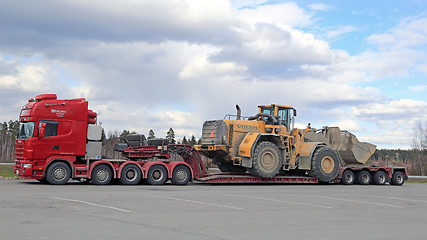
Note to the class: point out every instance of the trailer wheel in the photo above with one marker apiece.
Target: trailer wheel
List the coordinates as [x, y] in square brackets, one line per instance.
[398, 179]
[267, 160]
[181, 175]
[130, 175]
[58, 173]
[347, 177]
[380, 178]
[364, 177]
[102, 175]
[325, 164]
[157, 175]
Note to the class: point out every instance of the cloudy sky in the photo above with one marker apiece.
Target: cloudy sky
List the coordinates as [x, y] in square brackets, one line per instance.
[360, 65]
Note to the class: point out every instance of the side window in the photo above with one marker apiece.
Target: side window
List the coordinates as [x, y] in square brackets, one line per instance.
[51, 128]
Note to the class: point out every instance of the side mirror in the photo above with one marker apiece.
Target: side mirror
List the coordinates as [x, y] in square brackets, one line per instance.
[42, 130]
[295, 112]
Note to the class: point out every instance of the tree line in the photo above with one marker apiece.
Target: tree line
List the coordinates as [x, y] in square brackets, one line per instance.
[8, 132]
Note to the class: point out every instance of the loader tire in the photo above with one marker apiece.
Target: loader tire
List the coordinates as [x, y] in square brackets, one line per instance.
[325, 164]
[267, 160]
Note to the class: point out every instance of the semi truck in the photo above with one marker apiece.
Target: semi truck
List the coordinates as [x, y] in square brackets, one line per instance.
[59, 140]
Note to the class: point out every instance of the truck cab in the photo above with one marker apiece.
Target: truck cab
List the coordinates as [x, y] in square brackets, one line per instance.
[51, 130]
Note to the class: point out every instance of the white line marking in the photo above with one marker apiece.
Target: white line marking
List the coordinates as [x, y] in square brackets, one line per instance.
[277, 200]
[198, 202]
[348, 200]
[395, 198]
[93, 204]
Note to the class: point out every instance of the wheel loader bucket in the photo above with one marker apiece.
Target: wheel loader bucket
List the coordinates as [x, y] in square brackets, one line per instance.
[345, 143]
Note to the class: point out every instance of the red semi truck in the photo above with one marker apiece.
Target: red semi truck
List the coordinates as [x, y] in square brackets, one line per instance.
[60, 139]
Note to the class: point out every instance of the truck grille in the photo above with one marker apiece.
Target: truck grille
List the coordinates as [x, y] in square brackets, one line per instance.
[19, 150]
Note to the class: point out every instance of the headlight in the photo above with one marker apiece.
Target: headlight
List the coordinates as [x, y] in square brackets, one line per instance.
[27, 165]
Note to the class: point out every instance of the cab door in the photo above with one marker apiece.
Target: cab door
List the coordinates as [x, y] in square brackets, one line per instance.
[49, 144]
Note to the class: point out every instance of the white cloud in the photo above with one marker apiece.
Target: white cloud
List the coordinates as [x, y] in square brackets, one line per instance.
[281, 14]
[418, 88]
[320, 7]
[400, 112]
[411, 32]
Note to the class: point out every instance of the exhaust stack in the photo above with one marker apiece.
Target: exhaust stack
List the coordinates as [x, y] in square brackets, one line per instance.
[239, 112]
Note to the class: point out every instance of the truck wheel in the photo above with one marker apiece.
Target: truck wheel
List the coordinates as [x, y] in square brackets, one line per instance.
[398, 179]
[130, 175]
[181, 175]
[157, 175]
[347, 177]
[325, 164]
[267, 160]
[364, 177]
[102, 175]
[380, 178]
[58, 173]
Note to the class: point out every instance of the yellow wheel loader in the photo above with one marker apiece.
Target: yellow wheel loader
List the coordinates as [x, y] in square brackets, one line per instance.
[266, 145]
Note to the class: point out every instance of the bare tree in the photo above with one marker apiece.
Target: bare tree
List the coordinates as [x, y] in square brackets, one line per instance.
[419, 143]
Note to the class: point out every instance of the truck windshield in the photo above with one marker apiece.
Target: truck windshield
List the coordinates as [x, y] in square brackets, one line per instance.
[26, 130]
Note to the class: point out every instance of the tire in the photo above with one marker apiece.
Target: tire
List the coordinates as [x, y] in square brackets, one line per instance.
[157, 141]
[102, 175]
[224, 167]
[181, 175]
[58, 173]
[130, 175]
[325, 164]
[379, 178]
[364, 177]
[398, 179]
[134, 143]
[157, 175]
[136, 137]
[348, 177]
[267, 160]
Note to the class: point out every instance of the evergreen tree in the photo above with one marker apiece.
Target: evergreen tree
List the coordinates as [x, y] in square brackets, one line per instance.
[171, 136]
[193, 141]
[184, 140]
[124, 134]
[151, 134]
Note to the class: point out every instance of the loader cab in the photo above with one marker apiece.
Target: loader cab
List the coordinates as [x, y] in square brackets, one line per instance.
[284, 114]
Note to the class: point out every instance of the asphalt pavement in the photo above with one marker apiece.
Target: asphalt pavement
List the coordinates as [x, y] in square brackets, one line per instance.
[30, 210]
